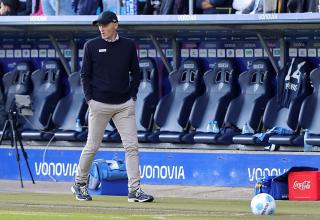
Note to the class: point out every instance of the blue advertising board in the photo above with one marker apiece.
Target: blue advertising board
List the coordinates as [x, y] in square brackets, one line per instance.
[168, 168]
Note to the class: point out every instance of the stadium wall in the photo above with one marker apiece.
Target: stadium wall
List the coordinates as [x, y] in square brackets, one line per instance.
[167, 167]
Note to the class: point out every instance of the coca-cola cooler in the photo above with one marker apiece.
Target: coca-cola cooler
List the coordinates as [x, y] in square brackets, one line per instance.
[304, 185]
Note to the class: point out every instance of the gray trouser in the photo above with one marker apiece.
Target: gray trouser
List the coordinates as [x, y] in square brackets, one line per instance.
[123, 116]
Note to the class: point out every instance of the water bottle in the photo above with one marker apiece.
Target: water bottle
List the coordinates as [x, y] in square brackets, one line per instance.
[78, 125]
[306, 147]
[209, 126]
[215, 127]
[246, 129]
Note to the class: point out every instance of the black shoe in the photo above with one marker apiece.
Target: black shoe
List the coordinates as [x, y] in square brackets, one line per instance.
[81, 192]
[139, 196]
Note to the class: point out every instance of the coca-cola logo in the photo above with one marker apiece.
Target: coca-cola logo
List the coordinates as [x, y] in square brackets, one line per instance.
[302, 185]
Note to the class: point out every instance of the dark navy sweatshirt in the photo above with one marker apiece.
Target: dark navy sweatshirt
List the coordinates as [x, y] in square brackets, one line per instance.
[110, 70]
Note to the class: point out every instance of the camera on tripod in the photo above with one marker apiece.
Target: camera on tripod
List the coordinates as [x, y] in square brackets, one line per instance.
[21, 105]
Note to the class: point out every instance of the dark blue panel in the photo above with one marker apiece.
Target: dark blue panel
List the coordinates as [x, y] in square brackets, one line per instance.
[170, 168]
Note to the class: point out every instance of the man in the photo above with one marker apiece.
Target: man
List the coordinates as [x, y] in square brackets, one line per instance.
[9, 7]
[108, 62]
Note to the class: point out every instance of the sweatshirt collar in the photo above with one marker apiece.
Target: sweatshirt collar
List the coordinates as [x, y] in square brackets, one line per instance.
[109, 40]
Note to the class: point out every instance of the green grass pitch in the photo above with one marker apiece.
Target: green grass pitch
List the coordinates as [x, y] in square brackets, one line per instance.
[36, 206]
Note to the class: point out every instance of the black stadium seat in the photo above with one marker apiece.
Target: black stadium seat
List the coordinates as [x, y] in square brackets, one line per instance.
[293, 86]
[310, 111]
[147, 99]
[17, 81]
[257, 87]
[279, 116]
[70, 108]
[173, 110]
[47, 90]
[221, 87]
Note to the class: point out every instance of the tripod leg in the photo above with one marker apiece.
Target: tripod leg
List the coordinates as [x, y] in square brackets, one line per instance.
[5, 127]
[14, 144]
[25, 155]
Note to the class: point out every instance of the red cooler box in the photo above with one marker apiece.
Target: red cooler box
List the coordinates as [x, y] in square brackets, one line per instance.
[304, 185]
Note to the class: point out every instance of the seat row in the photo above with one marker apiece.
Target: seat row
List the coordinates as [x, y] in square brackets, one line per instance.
[257, 98]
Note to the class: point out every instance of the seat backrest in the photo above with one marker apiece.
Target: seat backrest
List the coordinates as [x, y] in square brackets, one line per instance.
[257, 87]
[174, 109]
[17, 82]
[3, 114]
[221, 86]
[310, 111]
[47, 90]
[148, 94]
[71, 107]
[293, 86]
